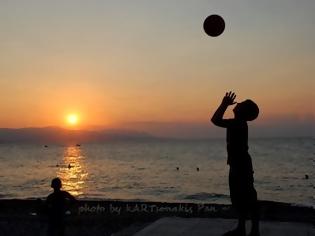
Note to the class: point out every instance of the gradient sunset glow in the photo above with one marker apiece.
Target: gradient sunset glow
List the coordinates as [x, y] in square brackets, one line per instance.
[148, 64]
[72, 119]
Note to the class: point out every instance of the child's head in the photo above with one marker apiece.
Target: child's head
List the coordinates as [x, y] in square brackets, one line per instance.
[56, 184]
[247, 110]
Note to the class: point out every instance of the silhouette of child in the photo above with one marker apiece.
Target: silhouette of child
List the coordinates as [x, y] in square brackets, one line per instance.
[241, 181]
[56, 204]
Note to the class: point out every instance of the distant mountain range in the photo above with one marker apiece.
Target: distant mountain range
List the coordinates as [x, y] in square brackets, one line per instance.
[60, 135]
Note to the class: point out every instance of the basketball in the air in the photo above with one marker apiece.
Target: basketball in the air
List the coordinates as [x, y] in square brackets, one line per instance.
[214, 25]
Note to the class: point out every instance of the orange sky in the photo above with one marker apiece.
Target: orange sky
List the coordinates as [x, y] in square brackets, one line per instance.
[113, 64]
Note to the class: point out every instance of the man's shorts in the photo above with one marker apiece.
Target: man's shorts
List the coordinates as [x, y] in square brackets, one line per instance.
[242, 191]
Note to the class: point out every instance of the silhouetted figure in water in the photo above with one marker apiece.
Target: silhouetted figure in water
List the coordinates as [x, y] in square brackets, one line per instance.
[57, 205]
[241, 181]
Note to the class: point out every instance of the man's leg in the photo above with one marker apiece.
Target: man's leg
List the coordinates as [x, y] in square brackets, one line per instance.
[236, 200]
[240, 230]
[255, 215]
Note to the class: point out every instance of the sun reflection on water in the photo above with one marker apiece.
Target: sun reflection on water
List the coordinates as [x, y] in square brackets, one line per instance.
[72, 171]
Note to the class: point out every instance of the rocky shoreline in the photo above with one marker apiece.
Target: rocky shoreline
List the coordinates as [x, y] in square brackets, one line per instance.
[27, 217]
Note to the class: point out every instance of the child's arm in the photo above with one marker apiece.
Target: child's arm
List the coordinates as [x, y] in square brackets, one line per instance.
[217, 117]
[69, 196]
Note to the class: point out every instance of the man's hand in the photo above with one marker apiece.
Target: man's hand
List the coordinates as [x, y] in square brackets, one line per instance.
[229, 99]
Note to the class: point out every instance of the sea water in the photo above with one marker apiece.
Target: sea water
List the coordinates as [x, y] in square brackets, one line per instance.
[158, 170]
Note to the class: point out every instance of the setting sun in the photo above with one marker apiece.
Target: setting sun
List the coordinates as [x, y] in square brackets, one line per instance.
[72, 119]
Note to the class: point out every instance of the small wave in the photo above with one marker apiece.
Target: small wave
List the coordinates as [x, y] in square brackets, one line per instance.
[310, 205]
[7, 196]
[205, 196]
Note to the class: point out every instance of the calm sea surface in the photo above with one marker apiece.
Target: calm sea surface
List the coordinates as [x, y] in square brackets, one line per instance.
[147, 170]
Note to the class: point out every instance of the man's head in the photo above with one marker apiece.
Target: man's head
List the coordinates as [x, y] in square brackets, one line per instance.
[56, 184]
[247, 110]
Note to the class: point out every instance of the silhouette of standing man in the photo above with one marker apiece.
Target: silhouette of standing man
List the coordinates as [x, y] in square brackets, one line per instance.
[57, 204]
[241, 181]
